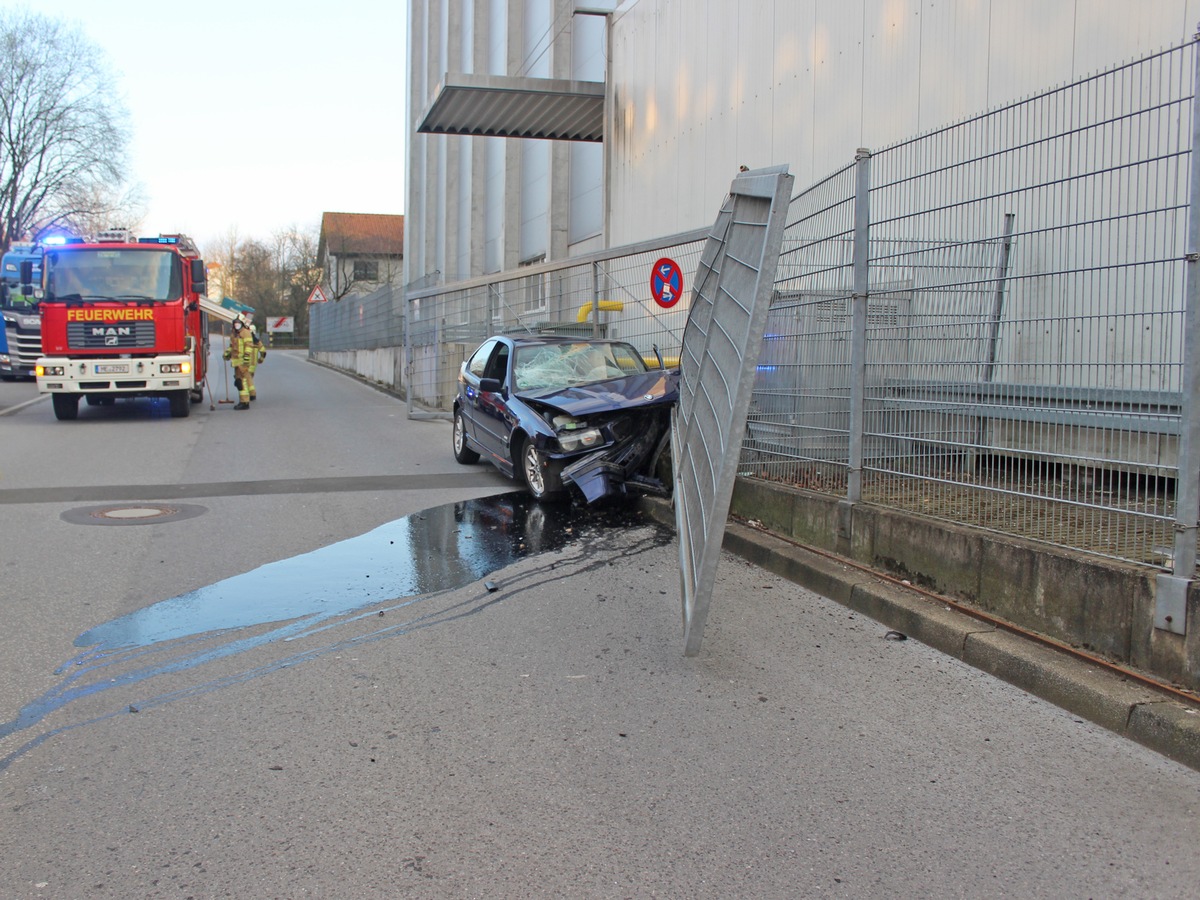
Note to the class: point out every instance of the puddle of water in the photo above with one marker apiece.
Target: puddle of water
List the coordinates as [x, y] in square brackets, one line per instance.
[437, 549]
[433, 551]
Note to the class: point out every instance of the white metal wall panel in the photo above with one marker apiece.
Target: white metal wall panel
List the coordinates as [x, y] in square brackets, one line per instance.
[843, 74]
[460, 266]
[493, 205]
[497, 37]
[535, 198]
[539, 31]
[586, 191]
[589, 60]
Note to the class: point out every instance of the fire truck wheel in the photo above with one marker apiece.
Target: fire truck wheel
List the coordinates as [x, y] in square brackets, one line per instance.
[181, 404]
[66, 406]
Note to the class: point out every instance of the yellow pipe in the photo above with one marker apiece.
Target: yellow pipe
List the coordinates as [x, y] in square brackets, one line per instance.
[617, 306]
[605, 306]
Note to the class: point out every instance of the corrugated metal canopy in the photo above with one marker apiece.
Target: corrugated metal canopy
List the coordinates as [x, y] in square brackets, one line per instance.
[503, 106]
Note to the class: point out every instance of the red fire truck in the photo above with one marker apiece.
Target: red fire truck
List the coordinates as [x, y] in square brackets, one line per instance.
[124, 317]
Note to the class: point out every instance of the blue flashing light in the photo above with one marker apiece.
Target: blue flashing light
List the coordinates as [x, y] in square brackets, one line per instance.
[55, 240]
[161, 239]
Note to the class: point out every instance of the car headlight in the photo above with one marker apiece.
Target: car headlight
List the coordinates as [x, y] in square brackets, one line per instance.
[571, 441]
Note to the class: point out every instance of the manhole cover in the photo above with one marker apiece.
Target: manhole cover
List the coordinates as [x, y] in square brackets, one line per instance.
[139, 514]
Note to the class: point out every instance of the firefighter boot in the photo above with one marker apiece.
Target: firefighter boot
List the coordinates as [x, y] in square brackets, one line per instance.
[242, 405]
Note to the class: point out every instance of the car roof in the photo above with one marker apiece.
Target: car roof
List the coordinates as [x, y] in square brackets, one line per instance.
[557, 339]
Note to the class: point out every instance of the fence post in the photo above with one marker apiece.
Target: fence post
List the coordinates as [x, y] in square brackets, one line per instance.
[993, 338]
[408, 354]
[595, 300]
[858, 324]
[1170, 600]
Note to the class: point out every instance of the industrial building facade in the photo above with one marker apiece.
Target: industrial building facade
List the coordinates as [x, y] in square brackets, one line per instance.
[687, 91]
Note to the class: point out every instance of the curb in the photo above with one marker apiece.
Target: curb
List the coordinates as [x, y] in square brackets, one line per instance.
[1100, 694]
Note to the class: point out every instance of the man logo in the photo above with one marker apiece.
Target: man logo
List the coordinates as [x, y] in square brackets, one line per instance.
[110, 331]
[111, 341]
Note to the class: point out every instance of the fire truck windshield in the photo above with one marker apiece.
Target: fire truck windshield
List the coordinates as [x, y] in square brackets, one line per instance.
[89, 274]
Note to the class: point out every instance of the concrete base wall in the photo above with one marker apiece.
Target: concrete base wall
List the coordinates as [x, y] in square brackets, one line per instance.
[1091, 603]
[384, 365]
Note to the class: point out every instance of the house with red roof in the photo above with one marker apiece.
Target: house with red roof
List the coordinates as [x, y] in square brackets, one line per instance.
[360, 252]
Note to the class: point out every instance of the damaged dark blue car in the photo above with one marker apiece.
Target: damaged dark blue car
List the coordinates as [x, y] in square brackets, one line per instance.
[556, 412]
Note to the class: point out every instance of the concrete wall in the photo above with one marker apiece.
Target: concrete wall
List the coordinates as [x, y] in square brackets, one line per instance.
[1090, 603]
[383, 366]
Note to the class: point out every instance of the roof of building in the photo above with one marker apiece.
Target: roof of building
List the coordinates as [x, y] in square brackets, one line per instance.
[361, 234]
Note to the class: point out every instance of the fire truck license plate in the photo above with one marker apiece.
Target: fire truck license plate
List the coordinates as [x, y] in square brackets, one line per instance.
[112, 369]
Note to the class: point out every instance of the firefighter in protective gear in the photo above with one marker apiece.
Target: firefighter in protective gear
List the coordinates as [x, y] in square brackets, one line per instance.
[240, 352]
[260, 353]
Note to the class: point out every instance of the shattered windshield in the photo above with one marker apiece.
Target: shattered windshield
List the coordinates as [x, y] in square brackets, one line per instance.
[85, 275]
[544, 366]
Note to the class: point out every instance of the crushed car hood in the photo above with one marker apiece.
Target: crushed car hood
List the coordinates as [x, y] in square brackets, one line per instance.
[655, 388]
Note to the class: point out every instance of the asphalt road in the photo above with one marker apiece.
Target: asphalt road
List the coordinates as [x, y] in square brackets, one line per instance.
[299, 652]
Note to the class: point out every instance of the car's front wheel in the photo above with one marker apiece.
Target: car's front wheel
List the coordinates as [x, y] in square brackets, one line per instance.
[462, 453]
[541, 475]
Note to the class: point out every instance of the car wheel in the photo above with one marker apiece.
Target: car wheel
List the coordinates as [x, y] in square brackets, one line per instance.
[541, 476]
[462, 453]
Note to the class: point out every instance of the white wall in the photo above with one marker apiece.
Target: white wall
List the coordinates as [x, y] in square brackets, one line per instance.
[699, 87]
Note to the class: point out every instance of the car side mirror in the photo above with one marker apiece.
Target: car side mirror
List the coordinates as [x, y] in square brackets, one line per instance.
[491, 386]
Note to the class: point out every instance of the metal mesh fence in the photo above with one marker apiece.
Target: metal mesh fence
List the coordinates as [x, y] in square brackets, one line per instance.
[1024, 332]
[798, 426]
[358, 322]
[603, 295]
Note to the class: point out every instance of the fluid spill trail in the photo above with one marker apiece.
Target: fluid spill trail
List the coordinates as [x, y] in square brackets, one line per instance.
[404, 565]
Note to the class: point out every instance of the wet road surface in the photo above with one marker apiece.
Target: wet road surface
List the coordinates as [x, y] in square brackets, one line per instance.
[541, 736]
[398, 572]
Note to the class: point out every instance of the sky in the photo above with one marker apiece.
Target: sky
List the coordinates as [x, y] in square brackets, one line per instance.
[252, 117]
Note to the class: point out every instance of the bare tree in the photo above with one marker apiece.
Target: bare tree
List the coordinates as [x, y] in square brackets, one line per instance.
[274, 277]
[299, 273]
[89, 208]
[63, 133]
[255, 278]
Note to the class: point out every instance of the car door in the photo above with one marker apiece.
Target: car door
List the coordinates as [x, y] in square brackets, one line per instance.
[491, 417]
[468, 386]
